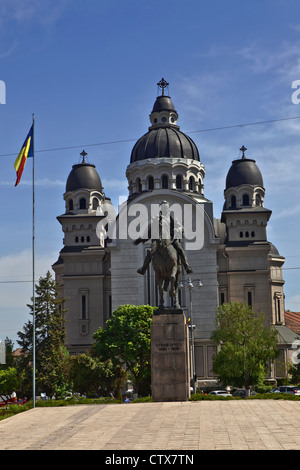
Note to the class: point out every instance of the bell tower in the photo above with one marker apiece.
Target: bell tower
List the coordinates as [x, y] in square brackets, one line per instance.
[83, 267]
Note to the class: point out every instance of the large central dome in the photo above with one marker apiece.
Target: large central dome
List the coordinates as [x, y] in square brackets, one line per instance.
[164, 139]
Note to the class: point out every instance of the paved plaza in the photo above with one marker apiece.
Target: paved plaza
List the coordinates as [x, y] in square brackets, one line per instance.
[204, 425]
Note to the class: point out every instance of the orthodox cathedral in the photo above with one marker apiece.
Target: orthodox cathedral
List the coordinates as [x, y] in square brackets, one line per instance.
[230, 257]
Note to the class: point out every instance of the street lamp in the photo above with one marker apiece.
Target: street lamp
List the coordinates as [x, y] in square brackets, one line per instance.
[191, 327]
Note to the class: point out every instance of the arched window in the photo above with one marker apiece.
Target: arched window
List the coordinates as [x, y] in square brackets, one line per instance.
[76, 239]
[178, 182]
[252, 234]
[245, 200]
[258, 200]
[82, 239]
[70, 204]
[191, 184]
[150, 183]
[233, 201]
[139, 185]
[82, 203]
[95, 203]
[247, 234]
[241, 234]
[164, 181]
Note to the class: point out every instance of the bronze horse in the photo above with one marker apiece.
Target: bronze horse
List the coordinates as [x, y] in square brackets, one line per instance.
[167, 266]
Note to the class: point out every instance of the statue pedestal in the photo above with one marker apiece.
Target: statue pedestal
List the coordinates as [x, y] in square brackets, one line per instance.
[170, 369]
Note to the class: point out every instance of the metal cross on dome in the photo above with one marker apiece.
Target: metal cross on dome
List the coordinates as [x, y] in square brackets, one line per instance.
[243, 149]
[83, 154]
[163, 84]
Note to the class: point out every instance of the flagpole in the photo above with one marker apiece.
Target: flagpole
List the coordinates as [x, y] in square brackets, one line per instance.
[33, 267]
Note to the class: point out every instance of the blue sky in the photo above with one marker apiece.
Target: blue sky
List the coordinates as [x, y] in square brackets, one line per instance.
[88, 71]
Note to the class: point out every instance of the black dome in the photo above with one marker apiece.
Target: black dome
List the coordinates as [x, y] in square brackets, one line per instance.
[164, 142]
[163, 103]
[83, 176]
[244, 171]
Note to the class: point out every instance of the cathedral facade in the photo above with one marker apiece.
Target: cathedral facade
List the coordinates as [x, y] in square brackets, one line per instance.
[230, 257]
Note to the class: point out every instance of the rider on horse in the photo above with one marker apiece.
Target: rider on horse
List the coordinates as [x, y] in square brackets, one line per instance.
[167, 225]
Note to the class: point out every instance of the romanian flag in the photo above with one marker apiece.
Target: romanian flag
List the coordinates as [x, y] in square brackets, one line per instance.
[26, 151]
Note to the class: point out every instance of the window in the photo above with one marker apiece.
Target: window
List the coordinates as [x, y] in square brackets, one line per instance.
[95, 203]
[76, 239]
[249, 298]
[258, 200]
[82, 203]
[191, 184]
[241, 234]
[150, 183]
[233, 201]
[139, 185]
[83, 307]
[70, 204]
[164, 181]
[178, 182]
[252, 234]
[245, 200]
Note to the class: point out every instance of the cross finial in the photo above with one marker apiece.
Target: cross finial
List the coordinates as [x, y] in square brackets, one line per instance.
[83, 154]
[163, 84]
[243, 149]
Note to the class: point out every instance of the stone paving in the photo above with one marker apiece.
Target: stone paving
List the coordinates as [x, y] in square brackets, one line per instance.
[187, 426]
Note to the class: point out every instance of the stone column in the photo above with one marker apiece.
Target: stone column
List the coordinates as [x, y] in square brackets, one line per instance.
[170, 370]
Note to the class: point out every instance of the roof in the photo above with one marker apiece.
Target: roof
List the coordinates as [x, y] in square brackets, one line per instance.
[244, 171]
[83, 176]
[285, 334]
[292, 321]
[165, 141]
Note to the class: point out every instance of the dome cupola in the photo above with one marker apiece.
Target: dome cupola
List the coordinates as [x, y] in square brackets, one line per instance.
[244, 184]
[165, 157]
[83, 176]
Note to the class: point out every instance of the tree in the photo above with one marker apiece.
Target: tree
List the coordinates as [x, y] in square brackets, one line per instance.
[244, 345]
[126, 340]
[91, 376]
[49, 339]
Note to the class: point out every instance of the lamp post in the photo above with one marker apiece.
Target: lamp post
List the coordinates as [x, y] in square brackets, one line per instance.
[192, 328]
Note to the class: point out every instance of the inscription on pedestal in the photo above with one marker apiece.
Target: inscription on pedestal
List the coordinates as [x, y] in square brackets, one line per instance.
[169, 346]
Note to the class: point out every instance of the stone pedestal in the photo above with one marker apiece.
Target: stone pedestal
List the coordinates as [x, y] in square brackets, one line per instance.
[170, 370]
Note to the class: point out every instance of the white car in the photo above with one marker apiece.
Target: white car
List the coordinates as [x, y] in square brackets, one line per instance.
[220, 393]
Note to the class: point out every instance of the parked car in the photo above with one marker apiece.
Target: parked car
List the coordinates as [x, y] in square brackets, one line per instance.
[5, 400]
[242, 392]
[220, 393]
[286, 389]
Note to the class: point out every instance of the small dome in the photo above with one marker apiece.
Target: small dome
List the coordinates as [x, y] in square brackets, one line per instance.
[244, 171]
[167, 142]
[163, 103]
[83, 176]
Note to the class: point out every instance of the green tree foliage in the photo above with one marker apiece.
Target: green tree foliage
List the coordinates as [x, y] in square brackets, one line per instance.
[51, 354]
[244, 345]
[10, 380]
[125, 340]
[88, 375]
